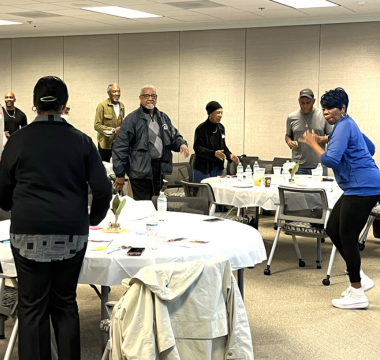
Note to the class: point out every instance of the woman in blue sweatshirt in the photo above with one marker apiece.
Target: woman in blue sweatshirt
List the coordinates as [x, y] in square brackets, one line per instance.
[349, 154]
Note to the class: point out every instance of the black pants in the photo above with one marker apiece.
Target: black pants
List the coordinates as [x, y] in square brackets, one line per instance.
[105, 154]
[48, 290]
[145, 189]
[347, 220]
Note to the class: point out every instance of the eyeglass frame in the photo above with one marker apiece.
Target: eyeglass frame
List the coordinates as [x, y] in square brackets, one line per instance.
[147, 96]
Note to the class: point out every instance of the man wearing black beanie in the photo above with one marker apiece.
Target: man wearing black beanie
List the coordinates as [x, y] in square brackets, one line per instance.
[210, 145]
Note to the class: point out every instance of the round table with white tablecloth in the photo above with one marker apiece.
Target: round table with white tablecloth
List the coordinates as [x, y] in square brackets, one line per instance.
[229, 191]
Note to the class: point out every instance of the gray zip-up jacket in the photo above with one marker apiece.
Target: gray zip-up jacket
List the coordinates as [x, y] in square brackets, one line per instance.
[130, 153]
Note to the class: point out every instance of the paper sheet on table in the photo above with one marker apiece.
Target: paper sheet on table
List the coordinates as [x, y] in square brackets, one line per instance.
[98, 245]
[189, 243]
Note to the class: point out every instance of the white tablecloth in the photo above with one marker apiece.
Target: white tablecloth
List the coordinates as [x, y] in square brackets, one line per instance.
[242, 244]
[265, 197]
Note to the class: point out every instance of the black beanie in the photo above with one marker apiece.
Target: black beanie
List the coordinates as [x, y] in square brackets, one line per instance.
[212, 106]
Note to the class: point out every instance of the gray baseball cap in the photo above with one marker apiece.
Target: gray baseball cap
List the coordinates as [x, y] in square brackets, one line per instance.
[307, 93]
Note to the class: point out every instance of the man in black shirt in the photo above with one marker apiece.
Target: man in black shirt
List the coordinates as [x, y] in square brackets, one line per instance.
[14, 118]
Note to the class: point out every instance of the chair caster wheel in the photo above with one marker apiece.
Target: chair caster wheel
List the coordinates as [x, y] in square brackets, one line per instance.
[319, 267]
[267, 272]
[361, 247]
[326, 282]
[301, 263]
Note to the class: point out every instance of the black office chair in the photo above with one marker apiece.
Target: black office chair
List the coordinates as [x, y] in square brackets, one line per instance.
[201, 190]
[192, 205]
[266, 164]
[302, 212]
[245, 161]
[279, 161]
[192, 160]
[181, 171]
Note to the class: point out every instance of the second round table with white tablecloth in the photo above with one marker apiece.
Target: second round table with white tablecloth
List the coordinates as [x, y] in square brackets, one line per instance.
[230, 191]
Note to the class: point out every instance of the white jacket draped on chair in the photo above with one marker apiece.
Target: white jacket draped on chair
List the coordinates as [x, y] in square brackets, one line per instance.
[181, 311]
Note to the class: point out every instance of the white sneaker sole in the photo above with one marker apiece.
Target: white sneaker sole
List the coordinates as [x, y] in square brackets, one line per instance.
[362, 305]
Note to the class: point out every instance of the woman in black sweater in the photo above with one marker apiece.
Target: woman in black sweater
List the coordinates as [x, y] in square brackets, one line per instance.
[210, 145]
[45, 171]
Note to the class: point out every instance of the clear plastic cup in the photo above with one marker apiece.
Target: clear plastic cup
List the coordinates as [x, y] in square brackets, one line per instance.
[258, 176]
[276, 170]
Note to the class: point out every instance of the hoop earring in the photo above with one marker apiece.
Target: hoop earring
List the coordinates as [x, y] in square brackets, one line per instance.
[34, 108]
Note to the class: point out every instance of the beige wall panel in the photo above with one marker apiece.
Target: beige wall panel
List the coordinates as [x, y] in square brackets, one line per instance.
[281, 61]
[91, 64]
[212, 67]
[350, 56]
[150, 59]
[6, 68]
[33, 58]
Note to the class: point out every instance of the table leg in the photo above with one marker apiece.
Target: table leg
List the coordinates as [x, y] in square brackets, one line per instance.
[241, 282]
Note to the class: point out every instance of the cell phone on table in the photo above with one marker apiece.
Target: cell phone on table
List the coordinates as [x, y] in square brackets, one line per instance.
[213, 219]
[135, 251]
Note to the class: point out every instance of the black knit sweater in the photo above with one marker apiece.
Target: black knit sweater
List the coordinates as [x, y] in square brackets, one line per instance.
[44, 175]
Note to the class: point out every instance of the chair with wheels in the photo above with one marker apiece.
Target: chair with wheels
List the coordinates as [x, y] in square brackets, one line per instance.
[181, 171]
[301, 212]
[200, 190]
[165, 305]
[193, 205]
[375, 214]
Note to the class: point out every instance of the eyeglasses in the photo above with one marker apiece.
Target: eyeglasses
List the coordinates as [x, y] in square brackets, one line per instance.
[147, 96]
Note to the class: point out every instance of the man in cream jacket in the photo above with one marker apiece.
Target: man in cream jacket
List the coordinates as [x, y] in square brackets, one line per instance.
[180, 311]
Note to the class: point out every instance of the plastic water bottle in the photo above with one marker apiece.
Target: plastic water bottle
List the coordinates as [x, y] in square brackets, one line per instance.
[239, 172]
[152, 232]
[162, 206]
[320, 170]
[255, 167]
[248, 174]
[285, 171]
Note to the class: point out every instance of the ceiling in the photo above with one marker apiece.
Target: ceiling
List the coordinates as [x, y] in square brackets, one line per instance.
[53, 17]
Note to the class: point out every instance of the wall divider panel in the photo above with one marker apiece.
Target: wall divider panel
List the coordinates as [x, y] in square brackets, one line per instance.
[281, 61]
[6, 68]
[350, 58]
[212, 67]
[90, 65]
[151, 59]
[33, 58]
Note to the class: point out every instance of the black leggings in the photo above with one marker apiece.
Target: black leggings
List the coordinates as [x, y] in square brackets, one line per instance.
[346, 221]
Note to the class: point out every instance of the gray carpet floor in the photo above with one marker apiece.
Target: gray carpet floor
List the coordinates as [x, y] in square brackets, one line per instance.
[290, 312]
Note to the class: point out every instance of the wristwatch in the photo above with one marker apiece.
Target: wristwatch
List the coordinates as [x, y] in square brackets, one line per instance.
[113, 131]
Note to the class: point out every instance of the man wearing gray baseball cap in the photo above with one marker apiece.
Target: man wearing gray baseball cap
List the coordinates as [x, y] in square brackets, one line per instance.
[306, 118]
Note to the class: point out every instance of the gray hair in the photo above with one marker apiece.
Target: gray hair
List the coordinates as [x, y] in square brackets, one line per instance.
[147, 87]
[110, 86]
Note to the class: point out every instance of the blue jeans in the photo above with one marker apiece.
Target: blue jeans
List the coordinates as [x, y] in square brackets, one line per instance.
[307, 171]
[199, 176]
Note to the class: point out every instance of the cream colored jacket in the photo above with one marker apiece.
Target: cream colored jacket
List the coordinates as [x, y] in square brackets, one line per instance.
[181, 311]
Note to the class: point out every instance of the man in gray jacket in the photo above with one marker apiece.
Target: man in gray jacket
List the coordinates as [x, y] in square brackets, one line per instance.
[144, 145]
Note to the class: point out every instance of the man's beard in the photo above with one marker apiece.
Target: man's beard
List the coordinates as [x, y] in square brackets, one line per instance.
[150, 107]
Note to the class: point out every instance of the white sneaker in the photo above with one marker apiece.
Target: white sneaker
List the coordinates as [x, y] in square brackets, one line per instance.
[366, 281]
[354, 299]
